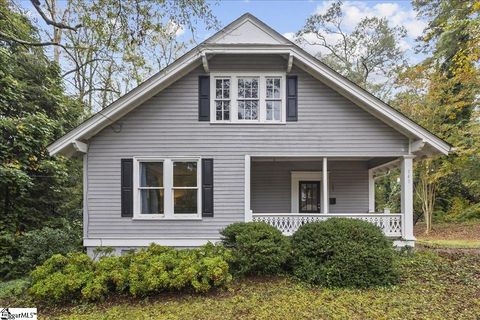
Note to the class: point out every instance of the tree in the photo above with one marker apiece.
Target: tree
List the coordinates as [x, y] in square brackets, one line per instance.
[441, 93]
[107, 47]
[369, 55]
[35, 189]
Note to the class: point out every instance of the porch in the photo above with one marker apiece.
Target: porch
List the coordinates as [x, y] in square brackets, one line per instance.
[287, 192]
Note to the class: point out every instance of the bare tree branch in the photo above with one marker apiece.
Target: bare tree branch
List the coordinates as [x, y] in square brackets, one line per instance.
[29, 43]
[60, 25]
[82, 65]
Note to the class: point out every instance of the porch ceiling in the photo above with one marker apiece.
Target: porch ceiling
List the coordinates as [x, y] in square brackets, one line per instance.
[308, 158]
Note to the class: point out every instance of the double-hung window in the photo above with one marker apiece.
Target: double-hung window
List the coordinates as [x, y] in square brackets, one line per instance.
[248, 97]
[167, 188]
[151, 190]
[273, 99]
[185, 187]
[222, 99]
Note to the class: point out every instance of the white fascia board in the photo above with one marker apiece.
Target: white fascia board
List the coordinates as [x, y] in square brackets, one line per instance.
[128, 102]
[368, 102]
[185, 64]
[248, 49]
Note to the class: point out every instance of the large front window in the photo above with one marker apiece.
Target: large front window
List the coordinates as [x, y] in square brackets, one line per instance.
[167, 188]
[248, 98]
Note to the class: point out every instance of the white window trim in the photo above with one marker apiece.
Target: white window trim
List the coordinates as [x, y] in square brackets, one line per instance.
[296, 177]
[168, 189]
[262, 97]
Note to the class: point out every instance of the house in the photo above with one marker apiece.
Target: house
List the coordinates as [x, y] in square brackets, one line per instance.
[246, 126]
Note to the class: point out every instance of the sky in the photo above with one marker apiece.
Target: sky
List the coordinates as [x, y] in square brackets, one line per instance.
[287, 17]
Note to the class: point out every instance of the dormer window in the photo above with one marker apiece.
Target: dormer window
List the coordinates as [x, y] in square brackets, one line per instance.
[248, 98]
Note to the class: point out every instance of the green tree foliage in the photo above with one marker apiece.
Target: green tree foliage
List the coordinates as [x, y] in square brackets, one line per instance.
[369, 55]
[105, 48]
[441, 93]
[35, 189]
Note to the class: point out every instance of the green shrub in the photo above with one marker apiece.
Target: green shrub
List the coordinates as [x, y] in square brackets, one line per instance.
[343, 252]
[21, 253]
[13, 289]
[462, 210]
[110, 275]
[257, 248]
[37, 246]
[61, 278]
[158, 269]
[154, 269]
[8, 254]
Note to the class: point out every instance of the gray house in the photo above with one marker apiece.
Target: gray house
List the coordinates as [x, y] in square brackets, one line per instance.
[245, 127]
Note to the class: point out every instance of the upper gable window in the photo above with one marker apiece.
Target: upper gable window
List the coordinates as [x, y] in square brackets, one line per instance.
[222, 99]
[248, 97]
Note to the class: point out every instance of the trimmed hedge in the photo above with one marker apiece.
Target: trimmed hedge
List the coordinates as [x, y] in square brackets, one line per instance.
[154, 269]
[257, 248]
[342, 252]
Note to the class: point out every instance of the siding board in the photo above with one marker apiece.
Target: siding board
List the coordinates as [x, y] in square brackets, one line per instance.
[167, 125]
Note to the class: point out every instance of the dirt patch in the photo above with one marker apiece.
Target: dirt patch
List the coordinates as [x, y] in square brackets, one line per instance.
[449, 231]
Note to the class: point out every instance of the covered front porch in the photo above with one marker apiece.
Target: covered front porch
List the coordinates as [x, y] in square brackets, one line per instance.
[288, 191]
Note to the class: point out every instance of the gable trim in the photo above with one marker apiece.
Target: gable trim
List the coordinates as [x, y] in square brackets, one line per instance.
[367, 101]
[197, 56]
[237, 23]
[128, 102]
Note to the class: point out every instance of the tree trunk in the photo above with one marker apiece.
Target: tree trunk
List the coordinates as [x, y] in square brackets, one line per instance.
[426, 191]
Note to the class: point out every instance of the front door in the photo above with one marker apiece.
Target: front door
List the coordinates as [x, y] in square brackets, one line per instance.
[309, 197]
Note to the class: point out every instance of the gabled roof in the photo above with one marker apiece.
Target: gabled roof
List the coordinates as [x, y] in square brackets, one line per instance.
[247, 34]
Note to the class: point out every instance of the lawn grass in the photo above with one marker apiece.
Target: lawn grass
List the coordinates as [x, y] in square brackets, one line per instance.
[433, 286]
[450, 244]
[460, 235]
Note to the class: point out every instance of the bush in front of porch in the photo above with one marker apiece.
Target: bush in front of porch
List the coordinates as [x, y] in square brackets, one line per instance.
[258, 248]
[342, 252]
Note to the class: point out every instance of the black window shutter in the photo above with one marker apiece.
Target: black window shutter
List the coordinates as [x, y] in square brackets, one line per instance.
[207, 187]
[203, 98]
[292, 98]
[127, 187]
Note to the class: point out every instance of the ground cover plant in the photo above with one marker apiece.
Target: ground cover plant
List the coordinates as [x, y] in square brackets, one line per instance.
[432, 286]
[77, 277]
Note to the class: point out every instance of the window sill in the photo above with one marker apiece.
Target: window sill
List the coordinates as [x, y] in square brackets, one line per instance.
[256, 123]
[162, 217]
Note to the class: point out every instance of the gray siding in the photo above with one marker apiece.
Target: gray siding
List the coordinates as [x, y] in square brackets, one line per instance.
[167, 125]
[271, 185]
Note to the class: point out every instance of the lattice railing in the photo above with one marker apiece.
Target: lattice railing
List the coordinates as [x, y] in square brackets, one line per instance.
[288, 223]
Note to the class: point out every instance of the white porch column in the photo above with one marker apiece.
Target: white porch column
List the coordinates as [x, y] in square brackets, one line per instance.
[325, 200]
[371, 191]
[406, 178]
[248, 211]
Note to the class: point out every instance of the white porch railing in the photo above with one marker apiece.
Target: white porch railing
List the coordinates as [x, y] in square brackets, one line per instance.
[390, 223]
